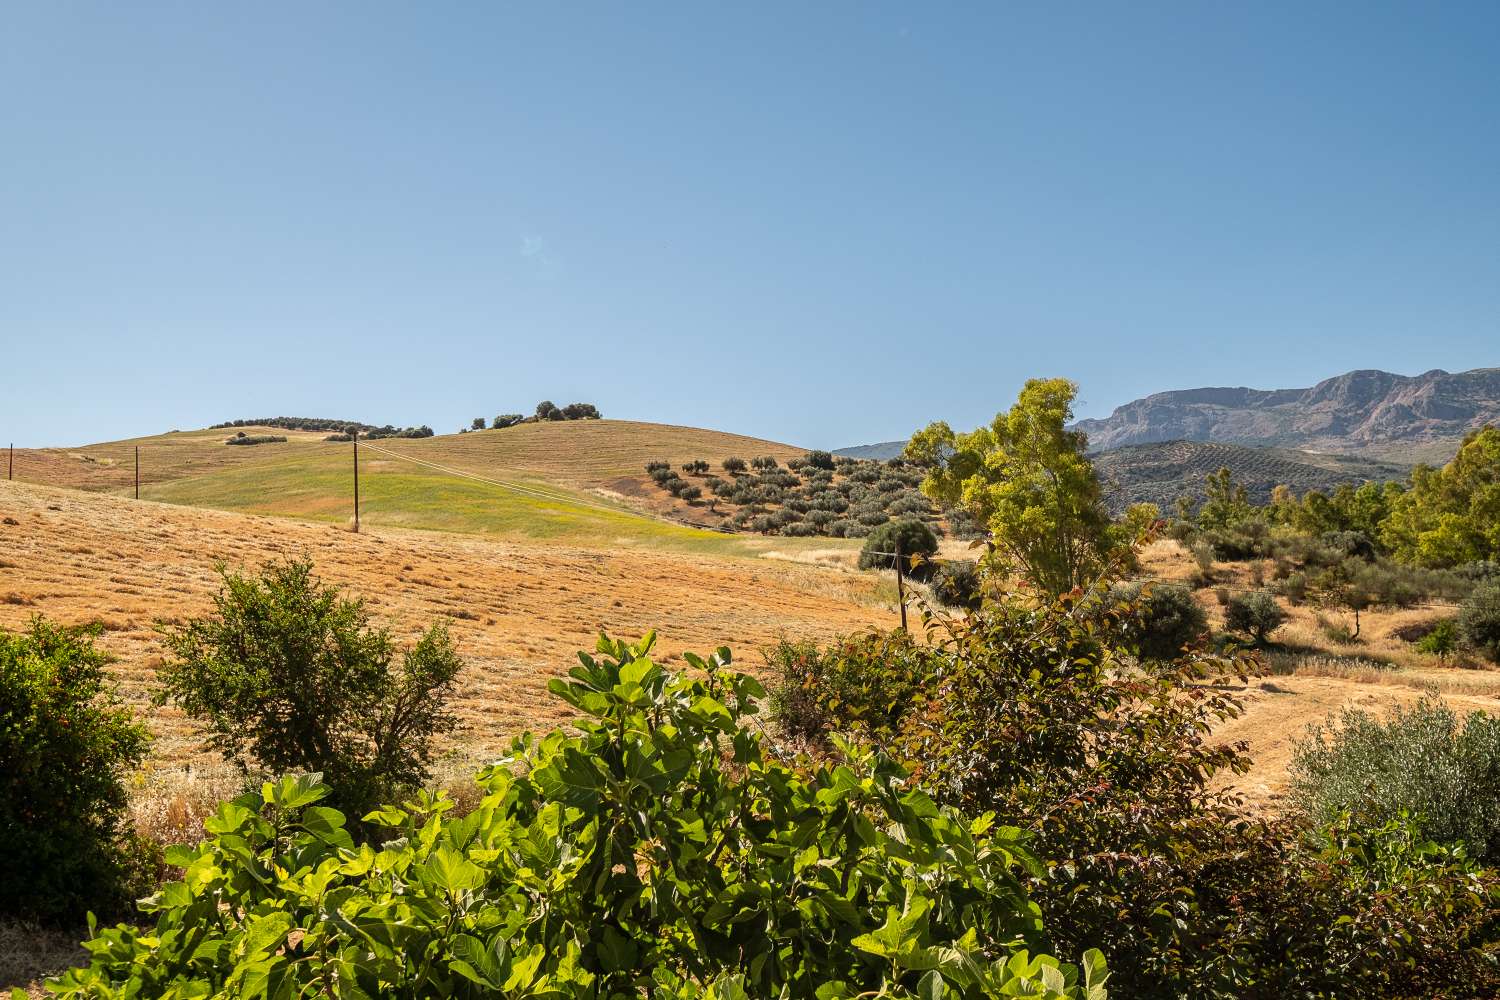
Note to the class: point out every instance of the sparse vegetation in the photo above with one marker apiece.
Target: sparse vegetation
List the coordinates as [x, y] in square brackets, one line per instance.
[1255, 614]
[1479, 621]
[252, 439]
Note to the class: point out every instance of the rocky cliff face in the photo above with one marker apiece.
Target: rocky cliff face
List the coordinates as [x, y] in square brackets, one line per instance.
[1361, 412]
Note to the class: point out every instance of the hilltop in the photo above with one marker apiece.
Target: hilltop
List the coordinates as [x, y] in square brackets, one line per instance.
[1162, 472]
[572, 481]
[1375, 413]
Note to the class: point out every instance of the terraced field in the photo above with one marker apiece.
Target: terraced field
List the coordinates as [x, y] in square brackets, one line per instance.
[1160, 473]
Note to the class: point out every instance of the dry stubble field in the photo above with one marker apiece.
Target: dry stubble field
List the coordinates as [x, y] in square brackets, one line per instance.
[519, 611]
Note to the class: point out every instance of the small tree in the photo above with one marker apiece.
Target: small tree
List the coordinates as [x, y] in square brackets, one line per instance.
[477, 424]
[1479, 621]
[1255, 614]
[547, 410]
[66, 744]
[908, 536]
[733, 466]
[507, 420]
[581, 411]
[820, 459]
[1160, 620]
[289, 675]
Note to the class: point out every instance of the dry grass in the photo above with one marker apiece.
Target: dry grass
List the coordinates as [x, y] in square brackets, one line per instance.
[1313, 677]
[29, 954]
[519, 611]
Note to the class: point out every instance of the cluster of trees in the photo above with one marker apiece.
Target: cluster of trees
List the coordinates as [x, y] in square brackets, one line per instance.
[1080, 720]
[545, 410]
[250, 439]
[815, 494]
[344, 429]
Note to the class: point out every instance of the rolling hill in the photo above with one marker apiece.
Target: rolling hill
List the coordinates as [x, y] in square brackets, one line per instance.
[566, 481]
[1374, 413]
[1161, 472]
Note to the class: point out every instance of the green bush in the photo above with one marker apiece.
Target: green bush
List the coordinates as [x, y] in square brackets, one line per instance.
[733, 465]
[865, 683]
[873, 518]
[765, 463]
[1422, 760]
[655, 850]
[505, 420]
[1255, 614]
[253, 439]
[1159, 620]
[289, 675]
[956, 583]
[1479, 621]
[908, 537]
[691, 493]
[66, 745]
[1442, 640]
[820, 459]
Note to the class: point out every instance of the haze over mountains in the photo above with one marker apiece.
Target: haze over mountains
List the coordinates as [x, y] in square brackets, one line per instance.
[1375, 413]
[1362, 425]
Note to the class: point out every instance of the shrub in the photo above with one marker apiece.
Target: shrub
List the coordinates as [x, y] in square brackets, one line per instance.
[820, 460]
[956, 583]
[908, 537]
[1479, 621]
[1294, 587]
[1255, 614]
[663, 475]
[799, 530]
[872, 518]
[1442, 640]
[866, 682]
[505, 420]
[1422, 760]
[656, 849]
[691, 493]
[764, 463]
[820, 518]
[856, 529]
[763, 523]
[652, 468]
[581, 411]
[909, 504]
[732, 465]
[66, 744]
[677, 486]
[837, 528]
[1160, 620]
[288, 675]
[252, 439]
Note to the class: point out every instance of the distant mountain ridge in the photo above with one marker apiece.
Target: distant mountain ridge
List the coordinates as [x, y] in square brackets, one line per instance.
[1367, 412]
[880, 451]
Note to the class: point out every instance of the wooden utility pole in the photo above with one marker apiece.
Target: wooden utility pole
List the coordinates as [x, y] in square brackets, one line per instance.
[901, 584]
[137, 472]
[355, 436]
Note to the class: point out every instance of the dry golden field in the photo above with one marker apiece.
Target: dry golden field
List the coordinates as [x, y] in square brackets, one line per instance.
[518, 610]
[1309, 677]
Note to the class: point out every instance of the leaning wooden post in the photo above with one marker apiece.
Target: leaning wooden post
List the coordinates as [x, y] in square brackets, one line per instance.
[901, 584]
[137, 472]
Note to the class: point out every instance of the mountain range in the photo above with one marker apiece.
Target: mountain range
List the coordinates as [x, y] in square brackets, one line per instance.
[1404, 418]
[1362, 425]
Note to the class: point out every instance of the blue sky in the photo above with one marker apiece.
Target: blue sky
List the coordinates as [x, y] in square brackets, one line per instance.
[823, 223]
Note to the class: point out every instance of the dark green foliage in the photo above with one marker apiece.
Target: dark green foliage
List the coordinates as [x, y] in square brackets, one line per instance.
[345, 428]
[677, 486]
[1442, 640]
[799, 529]
[1159, 620]
[663, 474]
[872, 518]
[956, 583]
[66, 746]
[289, 675]
[1255, 614]
[250, 439]
[547, 410]
[733, 465]
[690, 493]
[697, 467]
[909, 537]
[839, 528]
[1479, 621]
[581, 411]
[654, 850]
[820, 460]
[477, 424]
[652, 468]
[505, 420]
[867, 683]
[1423, 760]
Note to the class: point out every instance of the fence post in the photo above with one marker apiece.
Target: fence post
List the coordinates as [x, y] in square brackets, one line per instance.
[137, 472]
[11, 471]
[901, 584]
[355, 435]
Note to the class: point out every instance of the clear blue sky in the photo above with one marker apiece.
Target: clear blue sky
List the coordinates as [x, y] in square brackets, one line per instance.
[824, 223]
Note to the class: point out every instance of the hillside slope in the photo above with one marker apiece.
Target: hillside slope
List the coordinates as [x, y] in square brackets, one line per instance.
[1404, 418]
[1160, 473]
[518, 610]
